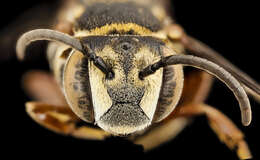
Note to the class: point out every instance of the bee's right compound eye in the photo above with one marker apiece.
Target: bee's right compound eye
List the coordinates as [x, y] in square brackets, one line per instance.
[76, 86]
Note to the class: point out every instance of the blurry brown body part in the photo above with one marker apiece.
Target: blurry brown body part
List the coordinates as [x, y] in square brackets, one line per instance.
[51, 110]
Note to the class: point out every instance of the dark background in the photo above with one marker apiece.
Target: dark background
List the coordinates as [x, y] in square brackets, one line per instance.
[227, 26]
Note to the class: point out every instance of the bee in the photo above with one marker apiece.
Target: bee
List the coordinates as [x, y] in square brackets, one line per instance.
[118, 66]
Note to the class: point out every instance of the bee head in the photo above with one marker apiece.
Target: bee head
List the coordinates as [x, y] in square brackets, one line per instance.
[124, 103]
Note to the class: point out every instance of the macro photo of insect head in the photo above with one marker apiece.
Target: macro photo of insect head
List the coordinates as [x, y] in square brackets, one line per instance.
[138, 78]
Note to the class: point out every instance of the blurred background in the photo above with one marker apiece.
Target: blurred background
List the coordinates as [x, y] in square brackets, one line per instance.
[227, 26]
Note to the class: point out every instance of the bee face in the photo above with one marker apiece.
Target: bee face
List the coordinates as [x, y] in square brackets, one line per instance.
[125, 103]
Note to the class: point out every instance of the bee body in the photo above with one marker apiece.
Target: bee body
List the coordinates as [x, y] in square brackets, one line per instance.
[119, 65]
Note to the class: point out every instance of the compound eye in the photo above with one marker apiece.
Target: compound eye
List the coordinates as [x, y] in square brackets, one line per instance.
[76, 86]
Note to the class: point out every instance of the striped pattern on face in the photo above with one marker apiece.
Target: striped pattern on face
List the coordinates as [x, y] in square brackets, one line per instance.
[126, 103]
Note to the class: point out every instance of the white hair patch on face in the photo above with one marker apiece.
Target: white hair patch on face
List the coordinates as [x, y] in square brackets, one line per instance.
[152, 92]
[151, 83]
[100, 98]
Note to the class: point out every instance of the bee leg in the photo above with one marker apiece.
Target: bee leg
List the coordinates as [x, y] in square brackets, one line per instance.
[90, 133]
[55, 118]
[225, 129]
[62, 120]
[42, 87]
